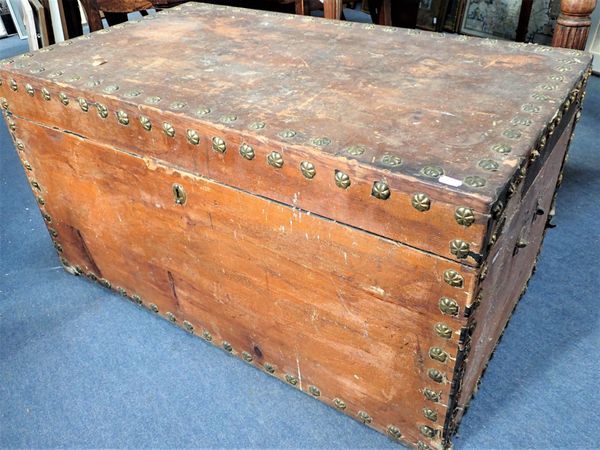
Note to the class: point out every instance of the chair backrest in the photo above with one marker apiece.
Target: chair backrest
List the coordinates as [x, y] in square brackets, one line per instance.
[29, 21]
[93, 8]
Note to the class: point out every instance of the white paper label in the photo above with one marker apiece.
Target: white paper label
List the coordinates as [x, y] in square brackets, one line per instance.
[450, 181]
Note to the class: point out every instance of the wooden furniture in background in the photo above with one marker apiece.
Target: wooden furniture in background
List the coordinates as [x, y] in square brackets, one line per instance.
[93, 8]
[29, 21]
[431, 14]
[398, 14]
[454, 12]
[572, 26]
[524, 16]
[573, 23]
[332, 9]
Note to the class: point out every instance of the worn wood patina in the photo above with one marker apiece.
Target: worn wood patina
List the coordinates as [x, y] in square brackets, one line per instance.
[356, 214]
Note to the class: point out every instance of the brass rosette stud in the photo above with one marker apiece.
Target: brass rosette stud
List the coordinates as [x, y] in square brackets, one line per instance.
[381, 190]
[342, 180]
[421, 202]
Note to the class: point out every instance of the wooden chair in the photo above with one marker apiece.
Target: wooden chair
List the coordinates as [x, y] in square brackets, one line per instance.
[93, 8]
[332, 9]
[572, 26]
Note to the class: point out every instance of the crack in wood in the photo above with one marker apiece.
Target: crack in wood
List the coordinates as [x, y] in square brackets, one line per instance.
[173, 289]
[86, 253]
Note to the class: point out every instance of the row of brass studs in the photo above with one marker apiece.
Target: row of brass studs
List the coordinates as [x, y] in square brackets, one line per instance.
[380, 189]
[463, 215]
[47, 218]
[40, 200]
[466, 217]
[421, 202]
[530, 108]
[447, 306]
[575, 96]
[473, 181]
[363, 416]
[450, 307]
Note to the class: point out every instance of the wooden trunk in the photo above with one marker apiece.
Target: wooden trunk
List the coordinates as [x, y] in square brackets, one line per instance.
[353, 209]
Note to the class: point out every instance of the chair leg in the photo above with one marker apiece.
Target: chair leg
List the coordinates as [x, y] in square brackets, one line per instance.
[115, 18]
[332, 9]
[301, 8]
[385, 18]
[93, 14]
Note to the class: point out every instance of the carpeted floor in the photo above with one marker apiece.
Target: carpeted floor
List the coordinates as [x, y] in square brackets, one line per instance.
[80, 367]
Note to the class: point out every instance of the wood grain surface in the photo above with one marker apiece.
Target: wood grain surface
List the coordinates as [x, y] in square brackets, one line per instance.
[335, 307]
[510, 264]
[377, 103]
[173, 177]
[395, 218]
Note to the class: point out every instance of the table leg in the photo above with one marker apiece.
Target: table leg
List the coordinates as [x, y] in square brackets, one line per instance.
[301, 9]
[93, 14]
[332, 9]
[573, 23]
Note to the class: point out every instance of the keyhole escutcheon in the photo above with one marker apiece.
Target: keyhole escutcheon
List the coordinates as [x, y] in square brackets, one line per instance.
[179, 194]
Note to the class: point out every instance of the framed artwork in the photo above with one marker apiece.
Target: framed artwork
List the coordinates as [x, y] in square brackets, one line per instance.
[82, 14]
[3, 32]
[29, 21]
[454, 14]
[431, 14]
[57, 15]
[42, 22]
[500, 18]
[16, 13]
[542, 21]
[8, 27]
[491, 18]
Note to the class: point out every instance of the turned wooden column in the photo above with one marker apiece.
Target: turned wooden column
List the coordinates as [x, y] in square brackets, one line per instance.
[573, 23]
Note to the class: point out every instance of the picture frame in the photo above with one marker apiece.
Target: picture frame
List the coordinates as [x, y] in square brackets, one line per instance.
[30, 25]
[3, 32]
[41, 23]
[82, 13]
[17, 16]
[431, 14]
[542, 21]
[496, 19]
[454, 15]
[57, 15]
[7, 27]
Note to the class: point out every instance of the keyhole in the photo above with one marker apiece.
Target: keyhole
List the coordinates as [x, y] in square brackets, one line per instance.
[179, 194]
